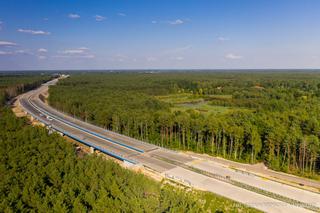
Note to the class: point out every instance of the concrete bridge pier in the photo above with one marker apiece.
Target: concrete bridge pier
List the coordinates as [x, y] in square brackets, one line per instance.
[91, 150]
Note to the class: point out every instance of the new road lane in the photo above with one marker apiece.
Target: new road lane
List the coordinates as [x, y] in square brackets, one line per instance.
[249, 198]
[256, 181]
[160, 160]
[80, 135]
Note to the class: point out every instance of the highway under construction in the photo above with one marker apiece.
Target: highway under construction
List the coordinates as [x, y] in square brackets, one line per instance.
[191, 170]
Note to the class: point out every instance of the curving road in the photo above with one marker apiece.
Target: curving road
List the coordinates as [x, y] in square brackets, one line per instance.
[196, 172]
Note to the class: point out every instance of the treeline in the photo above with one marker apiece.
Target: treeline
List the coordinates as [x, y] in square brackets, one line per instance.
[13, 85]
[41, 172]
[275, 116]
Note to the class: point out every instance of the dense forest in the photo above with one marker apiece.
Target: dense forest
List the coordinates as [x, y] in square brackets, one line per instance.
[244, 116]
[42, 172]
[15, 84]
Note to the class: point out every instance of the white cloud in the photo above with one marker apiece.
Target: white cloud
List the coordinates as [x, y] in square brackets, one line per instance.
[122, 14]
[88, 56]
[42, 57]
[75, 56]
[171, 22]
[16, 52]
[81, 52]
[233, 56]
[99, 18]
[73, 51]
[83, 48]
[221, 38]
[73, 16]
[22, 52]
[150, 59]
[176, 22]
[25, 52]
[5, 53]
[179, 49]
[33, 32]
[42, 50]
[7, 43]
[178, 58]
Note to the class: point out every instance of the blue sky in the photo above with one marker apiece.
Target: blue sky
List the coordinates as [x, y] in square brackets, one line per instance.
[133, 34]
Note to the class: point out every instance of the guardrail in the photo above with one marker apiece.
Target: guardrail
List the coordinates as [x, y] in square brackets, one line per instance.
[112, 154]
[248, 187]
[85, 130]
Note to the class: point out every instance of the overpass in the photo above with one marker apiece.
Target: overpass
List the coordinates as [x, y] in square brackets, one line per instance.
[246, 188]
